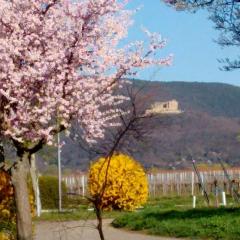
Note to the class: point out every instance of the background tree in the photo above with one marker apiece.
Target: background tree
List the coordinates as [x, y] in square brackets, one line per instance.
[226, 16]
[134, 126]
[60, 60]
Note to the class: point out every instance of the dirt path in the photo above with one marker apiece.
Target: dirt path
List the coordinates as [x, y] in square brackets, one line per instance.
[85, 230]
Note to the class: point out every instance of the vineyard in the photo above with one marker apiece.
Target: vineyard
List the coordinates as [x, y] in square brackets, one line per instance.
[173, 182]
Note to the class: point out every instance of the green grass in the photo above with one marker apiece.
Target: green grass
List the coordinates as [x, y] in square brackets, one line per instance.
[202, 223]
[183, 202]
[173, 202]
[80, 213]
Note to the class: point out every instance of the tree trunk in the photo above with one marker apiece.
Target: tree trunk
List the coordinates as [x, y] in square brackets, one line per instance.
[34, 177]
[99, 225]
[19, 179]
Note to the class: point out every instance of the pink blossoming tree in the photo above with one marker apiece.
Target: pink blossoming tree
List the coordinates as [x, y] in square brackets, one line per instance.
[60, 61]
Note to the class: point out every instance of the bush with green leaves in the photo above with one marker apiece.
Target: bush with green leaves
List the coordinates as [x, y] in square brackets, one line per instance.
[48, 186]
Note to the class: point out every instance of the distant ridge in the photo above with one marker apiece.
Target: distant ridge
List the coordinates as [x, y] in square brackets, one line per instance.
[210, 123]
[217, 99]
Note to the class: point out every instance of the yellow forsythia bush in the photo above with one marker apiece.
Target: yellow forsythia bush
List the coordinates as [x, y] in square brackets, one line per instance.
[126, 185]
[7, 205]
[6, 196]
[7, 209]
[6, 236]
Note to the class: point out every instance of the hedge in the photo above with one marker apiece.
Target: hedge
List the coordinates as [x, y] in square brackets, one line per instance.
[48, 186]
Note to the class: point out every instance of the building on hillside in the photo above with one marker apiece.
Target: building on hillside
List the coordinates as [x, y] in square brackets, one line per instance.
[169, 107]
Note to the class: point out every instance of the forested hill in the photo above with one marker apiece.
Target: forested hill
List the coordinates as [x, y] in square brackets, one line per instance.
[210, 123]
[217, 99]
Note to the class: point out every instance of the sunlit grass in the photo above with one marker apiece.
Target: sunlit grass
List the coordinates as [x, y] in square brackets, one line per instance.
[167, 217]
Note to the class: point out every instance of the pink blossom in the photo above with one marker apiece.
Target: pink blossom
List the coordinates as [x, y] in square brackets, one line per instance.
[61, 60]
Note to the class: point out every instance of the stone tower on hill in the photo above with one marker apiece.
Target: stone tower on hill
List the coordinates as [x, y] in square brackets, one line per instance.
[170, 107]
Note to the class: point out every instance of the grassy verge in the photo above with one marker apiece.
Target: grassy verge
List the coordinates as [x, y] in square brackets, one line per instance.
[81, 213]
[203, 223]
[183, 202]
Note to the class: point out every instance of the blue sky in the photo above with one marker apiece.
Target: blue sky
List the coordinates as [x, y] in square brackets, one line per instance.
[190, 39]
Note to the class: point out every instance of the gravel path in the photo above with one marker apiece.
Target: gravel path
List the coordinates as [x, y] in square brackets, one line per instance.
[85, 230]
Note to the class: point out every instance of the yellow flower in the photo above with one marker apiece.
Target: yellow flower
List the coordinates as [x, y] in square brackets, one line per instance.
[5, 213]
[7, 208]
[122, 181]
[4, 236]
